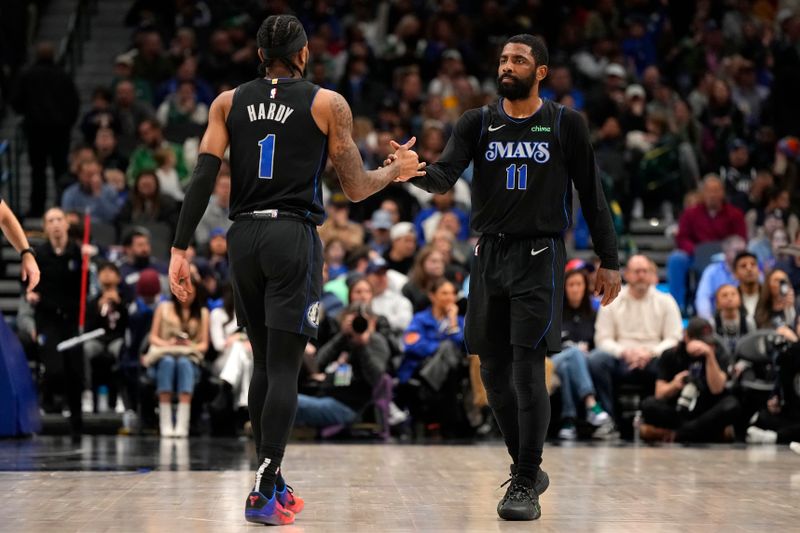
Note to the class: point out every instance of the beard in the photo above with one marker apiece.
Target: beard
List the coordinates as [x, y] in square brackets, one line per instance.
[517, 89]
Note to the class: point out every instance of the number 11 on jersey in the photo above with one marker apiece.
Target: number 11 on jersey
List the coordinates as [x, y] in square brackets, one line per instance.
[511, 177]
[267, 156]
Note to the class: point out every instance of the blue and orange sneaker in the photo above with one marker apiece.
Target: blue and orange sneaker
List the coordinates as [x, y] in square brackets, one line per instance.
[289, 500]
[261, 510]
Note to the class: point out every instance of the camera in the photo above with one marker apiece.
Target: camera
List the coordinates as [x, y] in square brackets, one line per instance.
[783, 288]
[690, 391]
[360, 323]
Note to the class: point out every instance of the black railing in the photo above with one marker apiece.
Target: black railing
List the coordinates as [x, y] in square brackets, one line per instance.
[70, 57]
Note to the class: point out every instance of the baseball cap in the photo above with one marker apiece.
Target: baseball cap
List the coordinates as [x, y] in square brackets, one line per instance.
[615, 69]
[578, 264]
[376, 265]
[381, 220]
[339, 200]
[634, 90]
[700, 329]
[124, 59]
[401, 229]
[216, 232]
[736, 144]
[149, 284]
[451, 53]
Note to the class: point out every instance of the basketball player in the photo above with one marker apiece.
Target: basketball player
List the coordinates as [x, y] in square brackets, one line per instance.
[16, 236]
[281, 130]
[527, 152]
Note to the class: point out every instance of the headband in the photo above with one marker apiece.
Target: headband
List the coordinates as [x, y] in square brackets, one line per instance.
[295, 45]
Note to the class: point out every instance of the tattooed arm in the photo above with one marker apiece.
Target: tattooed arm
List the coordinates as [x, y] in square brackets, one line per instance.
[334, 118]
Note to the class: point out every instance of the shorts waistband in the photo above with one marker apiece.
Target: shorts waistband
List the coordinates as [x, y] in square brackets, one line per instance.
[519, 237]
[271, 214]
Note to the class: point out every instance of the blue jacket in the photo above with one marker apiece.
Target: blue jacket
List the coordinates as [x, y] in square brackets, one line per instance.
[422, 339]
[104, 207]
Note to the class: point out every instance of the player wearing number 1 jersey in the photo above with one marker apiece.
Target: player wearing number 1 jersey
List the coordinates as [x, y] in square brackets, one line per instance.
[281, 130]
[527, 154]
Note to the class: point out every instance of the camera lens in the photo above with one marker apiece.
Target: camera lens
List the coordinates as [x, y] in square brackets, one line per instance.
[360, 324]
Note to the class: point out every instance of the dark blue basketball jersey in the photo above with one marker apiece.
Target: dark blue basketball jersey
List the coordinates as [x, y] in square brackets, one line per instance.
[277, 151]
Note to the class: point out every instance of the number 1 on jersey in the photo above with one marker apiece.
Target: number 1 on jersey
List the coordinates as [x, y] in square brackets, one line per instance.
[267, 156]
[511, 177]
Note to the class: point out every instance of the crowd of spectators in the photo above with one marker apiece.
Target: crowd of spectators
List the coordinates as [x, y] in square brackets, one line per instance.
[692, 112]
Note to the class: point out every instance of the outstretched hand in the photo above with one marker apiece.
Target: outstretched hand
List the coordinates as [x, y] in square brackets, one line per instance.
[180, 282]
[407, 159]
[608, 283]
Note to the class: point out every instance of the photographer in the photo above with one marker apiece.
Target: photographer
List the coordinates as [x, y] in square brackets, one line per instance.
[690, 404]
[352, 362]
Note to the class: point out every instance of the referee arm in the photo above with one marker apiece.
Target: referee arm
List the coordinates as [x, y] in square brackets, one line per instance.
[212, 149]
[582, 169]
[334, 118]
[16, 236]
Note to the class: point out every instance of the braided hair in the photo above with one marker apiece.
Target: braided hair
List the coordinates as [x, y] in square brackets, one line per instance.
[280, 37]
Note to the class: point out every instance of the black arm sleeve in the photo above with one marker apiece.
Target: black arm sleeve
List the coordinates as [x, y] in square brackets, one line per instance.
[582, 169]
[196, 200]
[442, 175]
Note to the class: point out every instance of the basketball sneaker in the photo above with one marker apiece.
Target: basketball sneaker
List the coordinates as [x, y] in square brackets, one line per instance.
[542, 482]
[522, 501]
[289, 500]
[268, 511]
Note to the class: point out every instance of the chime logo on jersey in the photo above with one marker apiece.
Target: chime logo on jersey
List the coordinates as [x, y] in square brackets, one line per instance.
[538, 151]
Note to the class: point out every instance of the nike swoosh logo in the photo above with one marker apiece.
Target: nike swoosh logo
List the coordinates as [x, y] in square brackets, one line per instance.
[495, 128]
[537, 252]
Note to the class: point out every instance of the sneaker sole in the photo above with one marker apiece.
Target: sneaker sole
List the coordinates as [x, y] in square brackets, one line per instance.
[521, 516]
[542, 482]
[266, 521]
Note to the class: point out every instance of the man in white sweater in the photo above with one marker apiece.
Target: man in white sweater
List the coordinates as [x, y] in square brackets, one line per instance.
[632, 332]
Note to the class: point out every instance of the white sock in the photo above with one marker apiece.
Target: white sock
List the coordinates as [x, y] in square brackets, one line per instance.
[182, 422]
[761, 436]
[165, 419]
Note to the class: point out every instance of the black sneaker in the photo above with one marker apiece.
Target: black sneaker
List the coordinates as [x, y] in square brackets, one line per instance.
[522, 502]
[542, 482]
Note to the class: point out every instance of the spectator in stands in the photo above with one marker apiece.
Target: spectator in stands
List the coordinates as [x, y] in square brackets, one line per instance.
[723, 123]
[791, 263]
[143, 158]
[216, 215]
[168, 180]
[738, 175]
[434, 357]
[777, 308]
[361, 89]
[178, 345]
[713, 219]
[48, 100]
[151, 63]
[146, 297]
[217, 258]
[334, 258]
[379, 226]
[137, 259]
[717, 274]
[100, 116]
[91, 193]
[386, 301]
[400, 256]
[108, 311]
[429, 266]
[748, 279]
[338, 224]
[747, 93]
[731, 321]
[351, 365]
[56, 300]
[130, 112]
[217, 64]
[234, 363]
[776, 204]
[146, 203]
[427, 220]
[107, 151]
[571, 364]
[186, 72]
[691, 404]
[181, 114]
[559, 85]
[632, 332]
[117, 180]
[605, 101]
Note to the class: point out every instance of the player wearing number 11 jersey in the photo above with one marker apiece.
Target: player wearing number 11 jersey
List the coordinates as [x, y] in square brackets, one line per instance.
[527, 154]
[281, 130]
